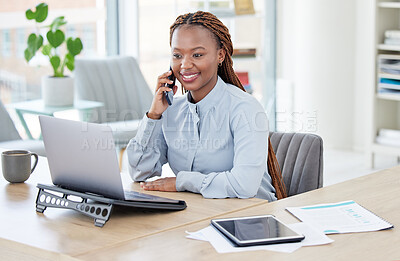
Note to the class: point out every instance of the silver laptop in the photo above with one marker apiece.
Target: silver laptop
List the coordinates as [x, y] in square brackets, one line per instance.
[82, 157]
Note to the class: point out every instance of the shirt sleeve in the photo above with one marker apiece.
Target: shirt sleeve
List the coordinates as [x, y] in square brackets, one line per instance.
[249, 127]
[147, 151]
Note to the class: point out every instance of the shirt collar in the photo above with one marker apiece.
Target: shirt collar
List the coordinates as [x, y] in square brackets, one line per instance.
[211, 99]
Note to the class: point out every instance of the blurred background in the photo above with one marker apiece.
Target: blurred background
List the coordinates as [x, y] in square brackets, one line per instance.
[312, 63]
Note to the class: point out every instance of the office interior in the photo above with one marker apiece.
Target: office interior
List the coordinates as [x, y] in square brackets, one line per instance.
[314, 65]
[313, 71]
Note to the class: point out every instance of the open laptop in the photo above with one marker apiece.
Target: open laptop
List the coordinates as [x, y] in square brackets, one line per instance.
[82, 157]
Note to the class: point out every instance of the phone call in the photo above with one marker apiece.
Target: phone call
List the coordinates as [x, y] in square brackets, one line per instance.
[169, 96]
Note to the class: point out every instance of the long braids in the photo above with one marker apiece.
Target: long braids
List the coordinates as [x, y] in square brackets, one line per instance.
[227, 74]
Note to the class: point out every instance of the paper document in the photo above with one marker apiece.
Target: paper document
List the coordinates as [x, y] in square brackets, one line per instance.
[341, 217]
[223, 245]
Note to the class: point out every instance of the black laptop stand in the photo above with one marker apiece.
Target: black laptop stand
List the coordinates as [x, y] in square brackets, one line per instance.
[97, 207]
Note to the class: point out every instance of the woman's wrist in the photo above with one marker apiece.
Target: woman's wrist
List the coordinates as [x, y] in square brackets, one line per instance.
[153, 116]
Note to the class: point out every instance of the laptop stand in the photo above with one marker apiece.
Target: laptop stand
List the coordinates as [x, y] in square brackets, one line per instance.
[95, 206]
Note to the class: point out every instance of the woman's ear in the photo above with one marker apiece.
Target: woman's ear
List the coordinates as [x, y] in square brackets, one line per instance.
[221, 55]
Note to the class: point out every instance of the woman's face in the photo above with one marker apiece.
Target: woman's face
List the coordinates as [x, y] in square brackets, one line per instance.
[195, 59]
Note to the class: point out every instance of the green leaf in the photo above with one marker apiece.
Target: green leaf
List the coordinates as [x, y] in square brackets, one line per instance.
[69, 61]
[55, 63]
[42, 11]
[55, 38]
[46, 49]
[30, 15]
[28, 54]
[34, 43]
[57, 22]
[74, 46]
[40, 14]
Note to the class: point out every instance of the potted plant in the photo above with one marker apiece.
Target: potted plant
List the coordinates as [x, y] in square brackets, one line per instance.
[58, 89]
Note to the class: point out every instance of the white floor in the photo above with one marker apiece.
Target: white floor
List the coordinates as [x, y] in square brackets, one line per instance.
[342, 165]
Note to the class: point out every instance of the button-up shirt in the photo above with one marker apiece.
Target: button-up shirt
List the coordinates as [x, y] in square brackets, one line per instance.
[216, 147]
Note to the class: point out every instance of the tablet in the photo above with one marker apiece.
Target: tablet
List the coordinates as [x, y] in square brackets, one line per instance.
[257, 230]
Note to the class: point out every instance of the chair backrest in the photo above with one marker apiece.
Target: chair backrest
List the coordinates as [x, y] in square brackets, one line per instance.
[7, 129]
[115, 81]
[300, 157]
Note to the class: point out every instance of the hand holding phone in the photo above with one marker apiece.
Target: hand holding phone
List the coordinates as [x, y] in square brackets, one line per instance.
[160, 104]
[169, 96]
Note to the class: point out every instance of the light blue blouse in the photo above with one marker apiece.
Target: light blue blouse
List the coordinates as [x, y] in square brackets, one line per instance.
[216, 147]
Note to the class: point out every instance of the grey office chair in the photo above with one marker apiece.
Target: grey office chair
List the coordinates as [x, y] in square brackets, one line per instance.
[10, 138]
[120, 85]
[300, 157]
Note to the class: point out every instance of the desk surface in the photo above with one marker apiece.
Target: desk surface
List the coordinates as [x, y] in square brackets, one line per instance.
[65, 233]
[378, 192]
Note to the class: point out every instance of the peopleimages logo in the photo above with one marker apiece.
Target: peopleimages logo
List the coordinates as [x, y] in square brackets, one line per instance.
[257, 122]
[209, 144]
[211, 122]
[98, 144]
[112, 115]
[297, 121]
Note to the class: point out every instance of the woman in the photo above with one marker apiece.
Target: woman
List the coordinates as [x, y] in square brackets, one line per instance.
[215, 137]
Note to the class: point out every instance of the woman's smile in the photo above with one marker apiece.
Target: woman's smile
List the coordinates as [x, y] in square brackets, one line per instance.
[189, 77]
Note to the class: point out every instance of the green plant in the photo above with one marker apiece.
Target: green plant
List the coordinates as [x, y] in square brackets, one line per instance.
[55, 38]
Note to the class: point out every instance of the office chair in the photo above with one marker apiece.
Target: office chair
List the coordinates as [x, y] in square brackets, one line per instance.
[300, 157]
[10, 138]
[119, 84]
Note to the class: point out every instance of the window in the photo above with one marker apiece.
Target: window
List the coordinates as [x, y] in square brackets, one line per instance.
[20, 42]
[6, 43]
[88, 37]
[20, 80]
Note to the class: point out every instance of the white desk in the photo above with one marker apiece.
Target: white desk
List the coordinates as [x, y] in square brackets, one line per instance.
[37, 107]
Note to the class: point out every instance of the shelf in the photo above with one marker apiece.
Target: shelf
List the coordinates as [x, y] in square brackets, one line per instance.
[389, 76]
[388, 96]
[389, 56]
[246, 58]
[386, 47]
[389, 4]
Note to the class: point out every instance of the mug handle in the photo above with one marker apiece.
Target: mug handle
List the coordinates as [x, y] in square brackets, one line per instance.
[36, 161]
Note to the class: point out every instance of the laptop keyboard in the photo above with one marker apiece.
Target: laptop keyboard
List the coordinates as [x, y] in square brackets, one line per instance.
[132, 195]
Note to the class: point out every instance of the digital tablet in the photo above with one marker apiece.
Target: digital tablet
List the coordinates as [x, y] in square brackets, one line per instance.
[257, 230]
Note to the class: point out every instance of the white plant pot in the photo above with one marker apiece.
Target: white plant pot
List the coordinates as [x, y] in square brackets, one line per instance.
[58, 91]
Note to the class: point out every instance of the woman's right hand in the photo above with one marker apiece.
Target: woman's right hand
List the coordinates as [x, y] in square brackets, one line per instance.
[159, 104]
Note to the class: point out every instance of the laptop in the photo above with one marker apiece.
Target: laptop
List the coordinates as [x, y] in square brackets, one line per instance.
[82, 157]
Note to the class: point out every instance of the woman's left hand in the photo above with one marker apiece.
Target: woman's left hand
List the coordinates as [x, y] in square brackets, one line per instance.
[163, 184]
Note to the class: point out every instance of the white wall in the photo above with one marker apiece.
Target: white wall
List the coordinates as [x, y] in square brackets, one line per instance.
[318, 52]
[364, 74]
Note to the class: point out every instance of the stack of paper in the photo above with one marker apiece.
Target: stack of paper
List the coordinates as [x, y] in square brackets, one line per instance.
[341, 217]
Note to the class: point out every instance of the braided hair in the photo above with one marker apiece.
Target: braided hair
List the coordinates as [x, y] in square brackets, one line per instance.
[222, 36]
[227, 74]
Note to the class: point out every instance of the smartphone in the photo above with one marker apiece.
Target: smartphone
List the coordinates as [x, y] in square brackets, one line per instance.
[169, 96]
[256, 230]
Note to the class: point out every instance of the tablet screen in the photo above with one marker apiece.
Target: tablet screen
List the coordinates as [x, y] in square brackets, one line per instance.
[257, 228]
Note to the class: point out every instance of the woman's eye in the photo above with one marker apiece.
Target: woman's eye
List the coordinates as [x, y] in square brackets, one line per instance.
[197, 55]
[177, 56]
